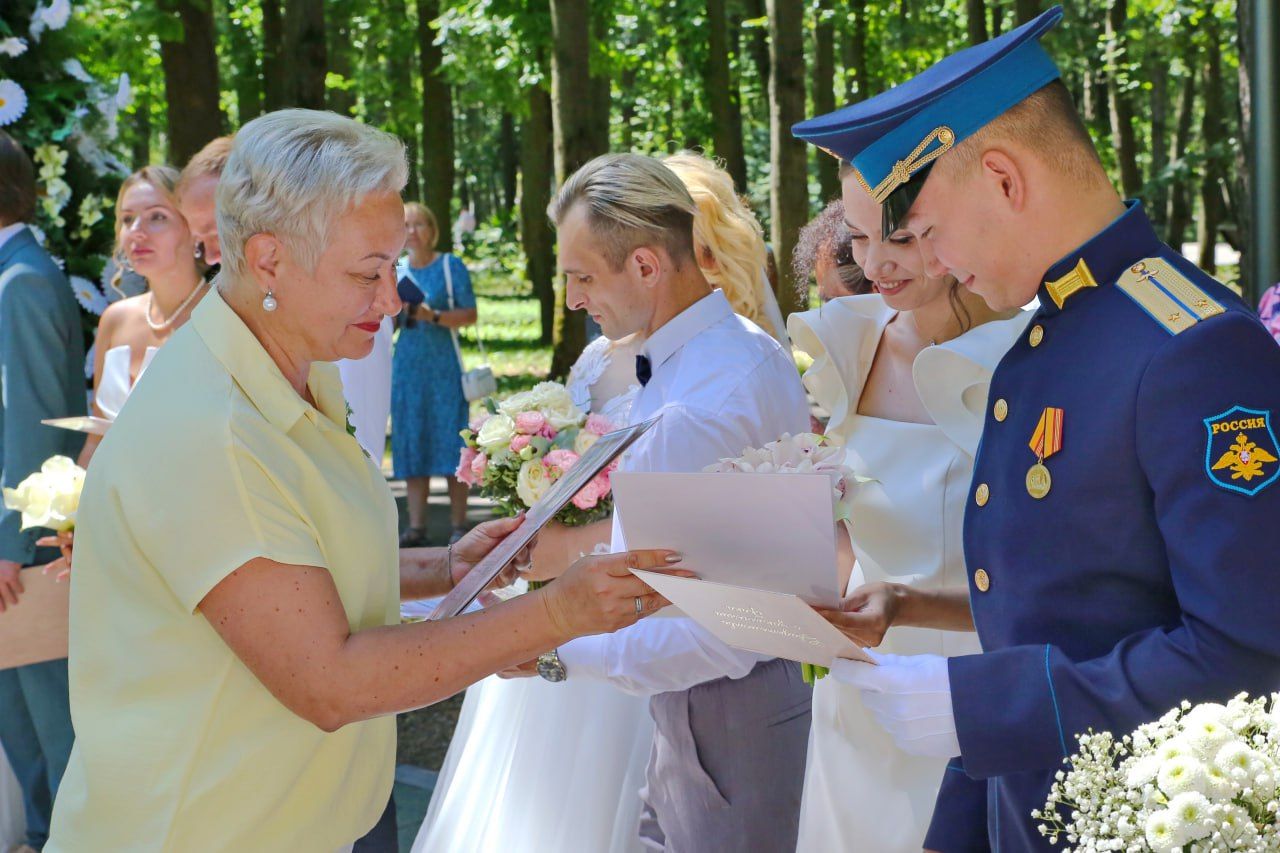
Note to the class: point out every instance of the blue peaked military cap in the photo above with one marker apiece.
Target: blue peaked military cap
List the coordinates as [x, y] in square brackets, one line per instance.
[892, 139]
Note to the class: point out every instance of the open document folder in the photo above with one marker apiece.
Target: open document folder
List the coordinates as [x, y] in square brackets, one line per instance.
[763, 548]
[608, 448]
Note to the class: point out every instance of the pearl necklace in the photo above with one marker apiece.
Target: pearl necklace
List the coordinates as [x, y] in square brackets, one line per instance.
[161, 326]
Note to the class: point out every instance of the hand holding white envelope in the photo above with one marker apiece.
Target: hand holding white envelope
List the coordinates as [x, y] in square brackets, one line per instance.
[910, 695]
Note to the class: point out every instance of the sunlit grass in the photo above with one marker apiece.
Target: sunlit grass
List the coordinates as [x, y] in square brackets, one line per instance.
[509, 326]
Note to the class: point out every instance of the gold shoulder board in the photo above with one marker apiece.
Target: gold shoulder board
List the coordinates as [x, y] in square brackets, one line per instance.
[1173, 300]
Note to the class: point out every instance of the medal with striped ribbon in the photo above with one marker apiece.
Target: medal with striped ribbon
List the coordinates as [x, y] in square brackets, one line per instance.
[1045, 441]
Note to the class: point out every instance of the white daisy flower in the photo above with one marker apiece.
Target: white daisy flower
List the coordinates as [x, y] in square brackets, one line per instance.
[88, 295]
[1160, 832]
[13, 47]
[1182, 774]
[75, 69]
[13, 102]
[1190, 813]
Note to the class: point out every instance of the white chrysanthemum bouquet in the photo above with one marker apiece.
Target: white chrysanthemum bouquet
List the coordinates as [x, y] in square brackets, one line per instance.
[805, 453]
[527, 442]
[50, 497]
[1199, 780]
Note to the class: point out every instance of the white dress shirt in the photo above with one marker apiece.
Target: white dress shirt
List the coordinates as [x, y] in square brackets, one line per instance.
[722, 385]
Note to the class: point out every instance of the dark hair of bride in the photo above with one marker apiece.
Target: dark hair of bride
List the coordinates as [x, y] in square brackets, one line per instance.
[898, 204]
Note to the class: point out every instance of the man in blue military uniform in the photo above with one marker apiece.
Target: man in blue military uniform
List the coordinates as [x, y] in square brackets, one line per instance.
[1115, 534]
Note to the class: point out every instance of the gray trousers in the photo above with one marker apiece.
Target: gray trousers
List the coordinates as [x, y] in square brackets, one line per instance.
[727, 768]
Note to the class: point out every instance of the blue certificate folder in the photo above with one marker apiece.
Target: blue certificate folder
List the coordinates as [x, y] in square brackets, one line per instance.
[409, 292]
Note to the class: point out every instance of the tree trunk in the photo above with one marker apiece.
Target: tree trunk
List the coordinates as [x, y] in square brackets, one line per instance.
[857, 78]
[1179, 218]
[997, 18]
[536, 235]
[1025, 10]
[1158, 201]
[509, 157]
[307, 60]
[397, 49]
[140, 147]
[248, 88]
[275, 81]
[788, 184]
[1121, 107]
[824, 92]
[759, 46]
[191, 80]
[601, 85]
[628, 114]
[722, 96]
[437, 123]
[1211, 128]
[1244, 161]
[339, 49]
[976, 16]
[576, 141]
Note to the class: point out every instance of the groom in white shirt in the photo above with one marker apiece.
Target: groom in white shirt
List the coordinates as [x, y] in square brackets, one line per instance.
[727, 766]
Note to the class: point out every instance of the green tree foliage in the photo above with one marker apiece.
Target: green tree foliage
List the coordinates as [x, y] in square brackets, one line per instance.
[1142, 72]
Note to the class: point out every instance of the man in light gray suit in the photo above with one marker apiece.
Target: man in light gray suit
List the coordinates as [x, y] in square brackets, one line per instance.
[41, 376]
[727, 765]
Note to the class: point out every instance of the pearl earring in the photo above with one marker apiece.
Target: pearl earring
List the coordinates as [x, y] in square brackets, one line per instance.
[199, 251]
[269, 302]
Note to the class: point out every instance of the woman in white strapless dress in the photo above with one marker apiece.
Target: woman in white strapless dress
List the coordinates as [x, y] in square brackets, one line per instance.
[536, 766]
[904, 373]
[558, 767]
[154, 240]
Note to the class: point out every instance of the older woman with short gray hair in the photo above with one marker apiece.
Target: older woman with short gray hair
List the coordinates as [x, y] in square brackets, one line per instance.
[236, 657]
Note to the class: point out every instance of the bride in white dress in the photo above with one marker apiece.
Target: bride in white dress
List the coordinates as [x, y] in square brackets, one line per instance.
[155, 241]
[904, 373]
[542, 767]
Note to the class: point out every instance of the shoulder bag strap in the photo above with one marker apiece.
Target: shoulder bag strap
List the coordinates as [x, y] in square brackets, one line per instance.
[448, 286]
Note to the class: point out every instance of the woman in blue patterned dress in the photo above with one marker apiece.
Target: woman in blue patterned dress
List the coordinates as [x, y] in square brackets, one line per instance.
[428, 409]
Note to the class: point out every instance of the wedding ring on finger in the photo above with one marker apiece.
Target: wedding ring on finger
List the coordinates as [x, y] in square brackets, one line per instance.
[639, 606]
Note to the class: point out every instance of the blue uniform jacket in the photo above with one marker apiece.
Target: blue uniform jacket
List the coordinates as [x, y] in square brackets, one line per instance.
[1147, 574]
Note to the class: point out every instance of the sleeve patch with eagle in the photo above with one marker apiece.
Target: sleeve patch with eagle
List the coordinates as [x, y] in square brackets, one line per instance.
[1242, 454]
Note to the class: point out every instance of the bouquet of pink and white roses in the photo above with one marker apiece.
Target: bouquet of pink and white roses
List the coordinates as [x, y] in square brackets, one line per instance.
[525, 443]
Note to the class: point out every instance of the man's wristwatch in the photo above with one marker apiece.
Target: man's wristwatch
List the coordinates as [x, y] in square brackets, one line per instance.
[550, 667]
[435, 317]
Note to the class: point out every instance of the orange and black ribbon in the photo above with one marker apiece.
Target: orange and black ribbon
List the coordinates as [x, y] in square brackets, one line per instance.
[1047, 439]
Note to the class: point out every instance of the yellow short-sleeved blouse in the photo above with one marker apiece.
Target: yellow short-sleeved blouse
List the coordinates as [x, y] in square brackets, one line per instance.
[215, 461]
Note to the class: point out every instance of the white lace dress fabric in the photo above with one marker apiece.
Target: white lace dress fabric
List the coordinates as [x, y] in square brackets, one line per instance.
[535, 766]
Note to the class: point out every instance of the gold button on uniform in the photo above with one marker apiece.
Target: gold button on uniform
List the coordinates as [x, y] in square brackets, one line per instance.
[1037, 335]
[982, 495]
[981, 580]
[1001, 410]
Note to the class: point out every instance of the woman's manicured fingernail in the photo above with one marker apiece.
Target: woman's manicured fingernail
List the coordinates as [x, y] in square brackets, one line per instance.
[674, 558]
